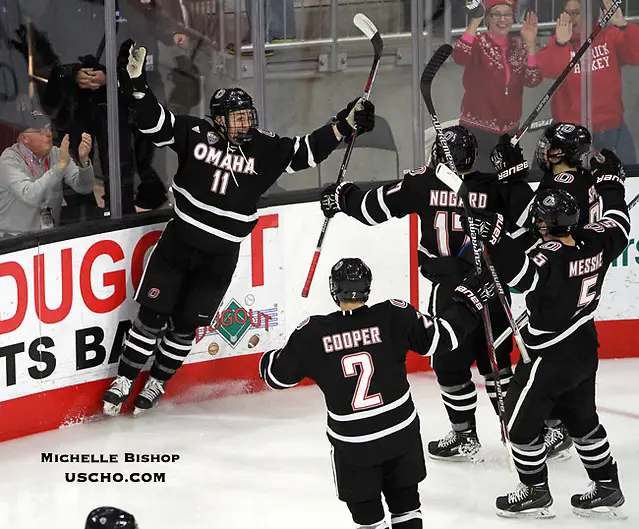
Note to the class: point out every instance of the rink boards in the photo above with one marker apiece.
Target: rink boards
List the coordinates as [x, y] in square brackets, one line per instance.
[65, 307]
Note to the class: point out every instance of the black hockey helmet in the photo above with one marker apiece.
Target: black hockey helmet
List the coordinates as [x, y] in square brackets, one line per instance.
[110, 518]
[227, 100]
[557, 209]
[350, 280]
[572, 143]
[463, 147]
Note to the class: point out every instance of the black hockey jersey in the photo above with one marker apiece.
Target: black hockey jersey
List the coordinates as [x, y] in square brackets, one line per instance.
[563, 283]
[439, 210]
[357, 359]
[580, 183]
[218, 184]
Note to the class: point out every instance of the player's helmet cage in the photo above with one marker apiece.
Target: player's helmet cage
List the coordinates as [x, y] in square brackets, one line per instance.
[227, 100]
[573, 142]
[350, 280]
[462, 145]
[558, 209]
[110, 518]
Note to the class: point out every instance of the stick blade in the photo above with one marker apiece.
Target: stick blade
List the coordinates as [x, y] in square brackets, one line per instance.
[448, 177]
[369, 29]
[435, 63]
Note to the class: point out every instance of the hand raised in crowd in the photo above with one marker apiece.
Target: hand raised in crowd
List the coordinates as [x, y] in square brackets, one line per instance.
[475, 9]
[64, 156]
[618, 18]
[529, 31]
[180, 39]
[88, 78]
[84, 149]
[563, 31]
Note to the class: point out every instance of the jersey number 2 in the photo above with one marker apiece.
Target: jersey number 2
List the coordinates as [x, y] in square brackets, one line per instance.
[361, 399]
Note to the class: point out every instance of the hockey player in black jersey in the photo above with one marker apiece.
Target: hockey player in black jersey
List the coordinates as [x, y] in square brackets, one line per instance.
[225, 164]
[562, 152]
[357, 357]
[562, 278]
[444, 259]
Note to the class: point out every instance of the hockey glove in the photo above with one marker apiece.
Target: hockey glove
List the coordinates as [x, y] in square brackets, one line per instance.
[131, 70]
[607, 169]
[489, 227]
[474, 292]
[334, 198]
[475, 9]
[358, 113]
[508, 161]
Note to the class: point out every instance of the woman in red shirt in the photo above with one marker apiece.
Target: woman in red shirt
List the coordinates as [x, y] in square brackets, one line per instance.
[497, 66]
[615, 47]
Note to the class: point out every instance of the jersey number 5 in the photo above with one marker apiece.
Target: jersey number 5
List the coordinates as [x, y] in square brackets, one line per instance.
[361, 399]
[586, 295]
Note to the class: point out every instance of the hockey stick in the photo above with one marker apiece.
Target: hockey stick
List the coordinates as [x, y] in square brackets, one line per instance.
[431, 69]
[455, 183]
[368, 28]
[573, 62]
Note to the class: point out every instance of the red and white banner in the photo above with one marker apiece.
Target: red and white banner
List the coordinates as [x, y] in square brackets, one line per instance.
[64, 308]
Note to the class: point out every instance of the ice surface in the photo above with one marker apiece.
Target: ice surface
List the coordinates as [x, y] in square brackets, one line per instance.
[262, 461]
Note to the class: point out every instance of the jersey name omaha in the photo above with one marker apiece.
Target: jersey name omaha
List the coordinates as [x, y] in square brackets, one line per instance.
[582, 267]
[442, 198]
[217, 157]
[351, 339]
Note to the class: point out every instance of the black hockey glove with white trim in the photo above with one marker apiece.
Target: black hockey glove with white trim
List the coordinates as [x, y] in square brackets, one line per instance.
[474, 292]
[489, 227]
[358, 113]
[334, 198]
[475, 9]
[131, 68]
[508, 161]
[607, 169]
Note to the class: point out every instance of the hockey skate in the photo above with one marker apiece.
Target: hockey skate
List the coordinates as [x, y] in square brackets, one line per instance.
[149, 396]
[456, 446]
[526, 502]
[603, 500]
[558, 442]
[116, 395]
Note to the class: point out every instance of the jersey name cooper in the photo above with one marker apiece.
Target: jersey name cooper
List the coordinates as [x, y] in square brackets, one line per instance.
[351, 339]
[217, 157]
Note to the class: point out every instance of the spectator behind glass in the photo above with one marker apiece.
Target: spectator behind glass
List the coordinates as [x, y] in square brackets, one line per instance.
[31, 175]
[616, 46]
[71, 47]
[279, 23]
[497, 66]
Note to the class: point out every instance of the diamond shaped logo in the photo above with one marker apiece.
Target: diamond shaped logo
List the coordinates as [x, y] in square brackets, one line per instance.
[233, 322]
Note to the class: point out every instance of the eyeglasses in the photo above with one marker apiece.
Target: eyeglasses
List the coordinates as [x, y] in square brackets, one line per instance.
[574, 13]
[505, 16]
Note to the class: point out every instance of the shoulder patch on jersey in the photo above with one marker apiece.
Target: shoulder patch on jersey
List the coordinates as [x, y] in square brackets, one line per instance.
[552, 246]
[539, 259]
[564, 178]
[417, 170]
[303, 323]
[266, 132]
[212, 138]
[399, 303]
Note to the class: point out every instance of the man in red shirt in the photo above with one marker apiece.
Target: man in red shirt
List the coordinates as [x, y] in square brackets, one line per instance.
[497, 67]
[615, 47]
